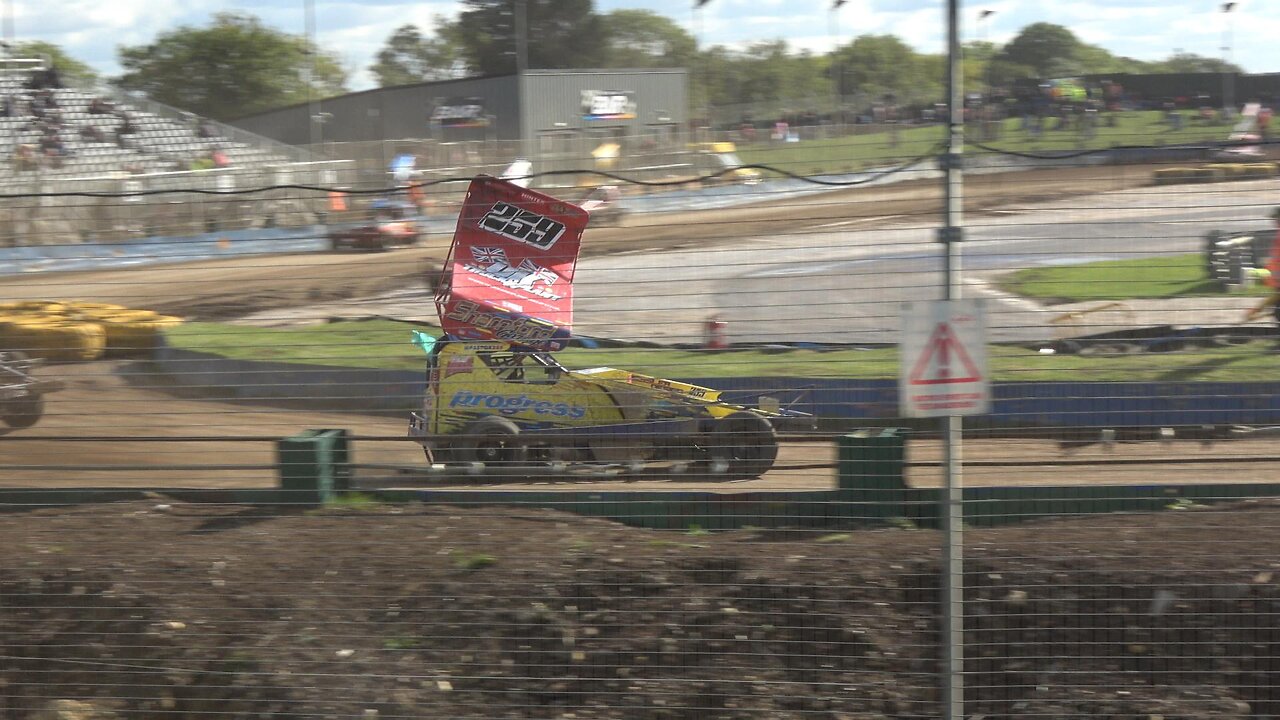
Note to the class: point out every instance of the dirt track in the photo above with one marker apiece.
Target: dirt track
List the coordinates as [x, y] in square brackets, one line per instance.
[100, 401]
[212, 289]
[148, 431]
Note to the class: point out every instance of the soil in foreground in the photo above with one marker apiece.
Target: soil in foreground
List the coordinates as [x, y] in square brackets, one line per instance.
[168, 610]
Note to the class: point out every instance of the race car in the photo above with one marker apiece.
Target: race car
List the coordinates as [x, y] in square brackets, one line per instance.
[496, 395]
[604, 204]
[392, 225]
[22, 394]
[1244, 144]
[721, 161]
[496, 403]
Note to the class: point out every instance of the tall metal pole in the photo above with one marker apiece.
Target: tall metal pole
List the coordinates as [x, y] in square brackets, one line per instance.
[8, 25]
[522, 36]
[309, 74]
[953, 494]
[837, 90]
[8, 43]
[984, 20]
[706, 66]
[1228, 103]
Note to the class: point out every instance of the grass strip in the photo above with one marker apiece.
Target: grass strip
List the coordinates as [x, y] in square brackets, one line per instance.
[386, 345]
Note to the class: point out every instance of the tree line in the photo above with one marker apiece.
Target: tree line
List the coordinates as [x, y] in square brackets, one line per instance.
[237, 66]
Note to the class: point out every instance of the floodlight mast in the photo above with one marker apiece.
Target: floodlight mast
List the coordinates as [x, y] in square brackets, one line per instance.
[1228, 102]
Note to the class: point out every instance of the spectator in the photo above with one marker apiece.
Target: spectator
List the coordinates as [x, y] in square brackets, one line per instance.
[126, 124]
[52, 148]
[25, 158]
[98, 106]
[51, 144]
[42, 79]
[122, 139]
[7, 107]
[219, 158]
[93, 134]
[46, 98]
[206, 130]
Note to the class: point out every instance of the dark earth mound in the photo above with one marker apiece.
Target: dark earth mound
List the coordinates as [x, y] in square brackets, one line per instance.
[169, 610]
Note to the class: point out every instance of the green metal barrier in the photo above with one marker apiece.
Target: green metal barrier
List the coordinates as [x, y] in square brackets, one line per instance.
[314, 466]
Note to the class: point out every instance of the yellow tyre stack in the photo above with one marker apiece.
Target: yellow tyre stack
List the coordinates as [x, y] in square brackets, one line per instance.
[1214, 172]
[1228, 171]
[53, 337]
[1172, 175]
[33, 307]
[1259, 170]
[93, 309]
[131, 331]
[77, 331]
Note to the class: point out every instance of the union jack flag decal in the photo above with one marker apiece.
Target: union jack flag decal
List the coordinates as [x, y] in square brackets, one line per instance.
[539, 272]
[489, 255]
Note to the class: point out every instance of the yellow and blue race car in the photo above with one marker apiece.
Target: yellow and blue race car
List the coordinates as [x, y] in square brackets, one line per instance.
[496, 403]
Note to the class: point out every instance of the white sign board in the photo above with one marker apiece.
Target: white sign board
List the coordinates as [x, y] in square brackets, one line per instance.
[943, 363]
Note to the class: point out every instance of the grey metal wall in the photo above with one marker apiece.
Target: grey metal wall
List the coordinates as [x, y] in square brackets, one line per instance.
[552, 102]
[553, 99]
[396, 112]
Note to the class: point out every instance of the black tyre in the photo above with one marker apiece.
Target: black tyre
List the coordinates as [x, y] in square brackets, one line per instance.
[22, 412]
[491, 440]
[746, 443]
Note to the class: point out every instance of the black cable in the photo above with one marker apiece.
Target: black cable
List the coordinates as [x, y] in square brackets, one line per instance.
[467, 179]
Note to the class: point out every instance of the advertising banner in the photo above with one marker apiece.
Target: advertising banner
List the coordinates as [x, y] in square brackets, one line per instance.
[608, 105]
[459, 112]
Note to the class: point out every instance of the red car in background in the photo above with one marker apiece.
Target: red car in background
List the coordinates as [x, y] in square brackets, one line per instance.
[393, 224]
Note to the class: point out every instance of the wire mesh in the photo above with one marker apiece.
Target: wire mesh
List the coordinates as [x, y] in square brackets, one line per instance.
[219, 504]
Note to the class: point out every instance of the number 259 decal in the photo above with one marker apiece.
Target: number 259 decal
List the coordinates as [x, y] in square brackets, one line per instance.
[523, 226]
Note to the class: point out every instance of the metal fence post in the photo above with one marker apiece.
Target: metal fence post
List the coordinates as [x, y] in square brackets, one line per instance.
[952, 499]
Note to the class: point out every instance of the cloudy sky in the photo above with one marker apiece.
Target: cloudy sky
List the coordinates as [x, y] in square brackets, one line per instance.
[91, 30]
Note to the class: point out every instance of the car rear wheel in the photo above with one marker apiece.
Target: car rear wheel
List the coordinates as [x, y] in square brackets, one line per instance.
[742, 446]
[22, 412]
[493, 441]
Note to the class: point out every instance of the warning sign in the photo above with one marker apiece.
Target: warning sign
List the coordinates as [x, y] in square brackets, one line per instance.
[943, 368]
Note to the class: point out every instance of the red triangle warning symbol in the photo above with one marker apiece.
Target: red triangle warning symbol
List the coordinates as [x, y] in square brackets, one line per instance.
[937, 364]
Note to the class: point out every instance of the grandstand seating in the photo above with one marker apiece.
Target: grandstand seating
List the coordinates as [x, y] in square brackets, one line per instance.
[159, 144]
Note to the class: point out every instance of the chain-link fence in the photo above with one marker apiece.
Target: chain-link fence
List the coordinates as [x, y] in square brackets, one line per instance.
[219, 387]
